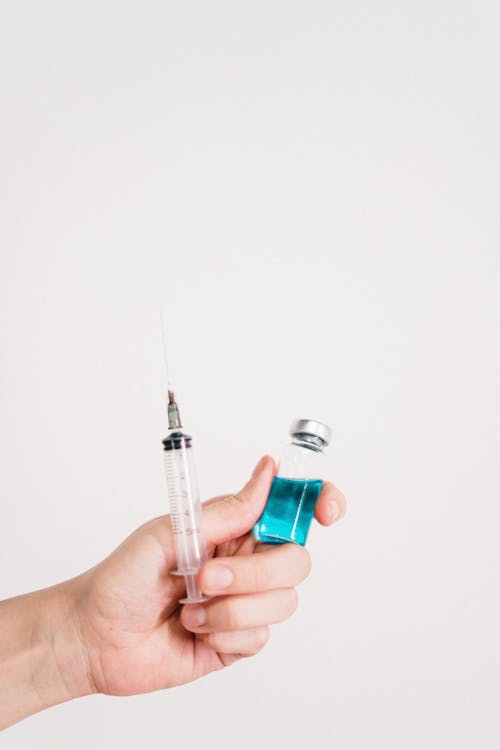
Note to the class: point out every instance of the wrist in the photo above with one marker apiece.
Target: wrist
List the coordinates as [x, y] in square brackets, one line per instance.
[63, 672]
[42, 658]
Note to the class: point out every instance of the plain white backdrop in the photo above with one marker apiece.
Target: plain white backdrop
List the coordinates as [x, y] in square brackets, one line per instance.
[311, 192]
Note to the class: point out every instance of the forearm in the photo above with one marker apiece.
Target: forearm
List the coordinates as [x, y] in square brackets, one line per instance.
[42, 662]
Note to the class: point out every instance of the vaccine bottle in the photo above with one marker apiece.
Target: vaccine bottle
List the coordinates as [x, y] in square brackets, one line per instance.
[289, 508]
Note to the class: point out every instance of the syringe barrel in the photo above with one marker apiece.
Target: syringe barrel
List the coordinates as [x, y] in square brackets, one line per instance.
[185, 505]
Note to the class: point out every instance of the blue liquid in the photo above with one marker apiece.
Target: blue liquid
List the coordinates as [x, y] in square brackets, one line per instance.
[289, 511]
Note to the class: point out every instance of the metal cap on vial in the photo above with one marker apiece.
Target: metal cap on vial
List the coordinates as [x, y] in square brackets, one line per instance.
[302, 427]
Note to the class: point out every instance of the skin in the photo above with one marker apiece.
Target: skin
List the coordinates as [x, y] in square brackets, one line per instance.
[118, 628]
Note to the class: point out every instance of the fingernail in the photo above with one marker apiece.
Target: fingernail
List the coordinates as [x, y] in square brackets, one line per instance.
[194, 615]
[334, 510]
[258, 467]
[216, 577]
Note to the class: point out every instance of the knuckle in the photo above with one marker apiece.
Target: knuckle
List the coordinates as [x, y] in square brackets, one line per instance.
[341, 499]
[263, 636]
[232, 615]
[307, 564]
[304, 562]
[228, 500]
[293, 600]
[259, 573]
[244, 507]
[209, 639]
[234, 499]
[215, 641]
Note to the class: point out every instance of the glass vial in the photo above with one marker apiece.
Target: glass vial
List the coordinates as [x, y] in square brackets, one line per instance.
[289, 508]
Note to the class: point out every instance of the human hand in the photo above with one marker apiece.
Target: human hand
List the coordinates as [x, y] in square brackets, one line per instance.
[136, 637]
[119, 628]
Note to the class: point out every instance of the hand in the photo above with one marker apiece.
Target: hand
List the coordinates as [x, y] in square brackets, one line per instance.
[137, 638]
[119, 628]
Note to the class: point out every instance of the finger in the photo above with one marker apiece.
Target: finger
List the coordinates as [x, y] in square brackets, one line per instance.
[233, 515]
[239, 642]
[283, 566]
[330, 505]
[229, 613]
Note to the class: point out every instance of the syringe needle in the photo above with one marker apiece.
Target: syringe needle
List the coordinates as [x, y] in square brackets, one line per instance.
[164, 339]
[174, 417]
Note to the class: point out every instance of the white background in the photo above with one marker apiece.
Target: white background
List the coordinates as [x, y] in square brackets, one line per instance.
[311, 191]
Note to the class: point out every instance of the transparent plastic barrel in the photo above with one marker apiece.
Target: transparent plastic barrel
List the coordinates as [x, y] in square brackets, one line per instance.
[186, 515]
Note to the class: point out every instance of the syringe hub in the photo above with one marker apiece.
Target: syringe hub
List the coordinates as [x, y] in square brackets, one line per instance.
[174, 417]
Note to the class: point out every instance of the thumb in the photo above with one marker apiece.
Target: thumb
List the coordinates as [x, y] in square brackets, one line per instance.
[231, 516]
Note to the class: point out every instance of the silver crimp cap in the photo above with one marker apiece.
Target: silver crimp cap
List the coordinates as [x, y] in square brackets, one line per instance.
[311, 427]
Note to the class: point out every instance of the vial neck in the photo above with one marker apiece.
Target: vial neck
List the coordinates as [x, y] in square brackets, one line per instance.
[312, 442]
[301, 460]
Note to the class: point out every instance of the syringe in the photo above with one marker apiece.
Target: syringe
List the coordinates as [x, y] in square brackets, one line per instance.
[185, 505]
